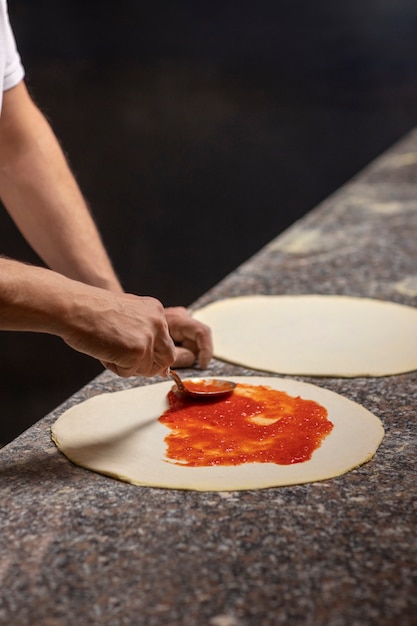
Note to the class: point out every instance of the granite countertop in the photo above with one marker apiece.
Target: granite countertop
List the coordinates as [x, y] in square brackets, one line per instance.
[81, 548]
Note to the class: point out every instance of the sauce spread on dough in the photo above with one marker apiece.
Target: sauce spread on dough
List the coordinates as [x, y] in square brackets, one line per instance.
[255, 424]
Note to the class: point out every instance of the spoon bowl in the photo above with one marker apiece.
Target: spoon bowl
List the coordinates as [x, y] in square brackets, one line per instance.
[201, 388]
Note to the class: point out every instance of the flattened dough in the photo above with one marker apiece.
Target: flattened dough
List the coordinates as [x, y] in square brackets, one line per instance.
[119, 434]
[314, 335]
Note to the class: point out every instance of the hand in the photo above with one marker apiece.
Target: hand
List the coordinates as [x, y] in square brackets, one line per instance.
[128, 334]
[193, 338]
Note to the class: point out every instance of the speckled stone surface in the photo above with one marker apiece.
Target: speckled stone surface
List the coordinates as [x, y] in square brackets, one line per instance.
[80, 548]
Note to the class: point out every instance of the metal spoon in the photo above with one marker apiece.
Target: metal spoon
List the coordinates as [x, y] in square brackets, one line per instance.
[201, 388]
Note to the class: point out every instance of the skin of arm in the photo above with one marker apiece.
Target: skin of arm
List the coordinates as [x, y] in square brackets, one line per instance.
[43, 198]
[81, 300]
[127, 333]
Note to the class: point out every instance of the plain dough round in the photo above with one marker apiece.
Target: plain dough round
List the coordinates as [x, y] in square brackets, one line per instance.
[119, 434]
[314, 335]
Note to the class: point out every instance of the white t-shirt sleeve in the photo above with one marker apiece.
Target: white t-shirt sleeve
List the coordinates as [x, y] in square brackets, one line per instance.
[11, 69]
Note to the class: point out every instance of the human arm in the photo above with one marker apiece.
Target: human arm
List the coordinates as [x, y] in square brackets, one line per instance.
[43, 198]
[127, 333]
[193, 338]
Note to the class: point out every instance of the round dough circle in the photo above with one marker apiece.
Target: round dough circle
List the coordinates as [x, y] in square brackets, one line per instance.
[314, 335]
[119, 434]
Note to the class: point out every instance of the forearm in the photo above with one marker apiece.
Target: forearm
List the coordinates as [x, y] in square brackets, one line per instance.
[33, 298]
[43, 198]
[127, 333]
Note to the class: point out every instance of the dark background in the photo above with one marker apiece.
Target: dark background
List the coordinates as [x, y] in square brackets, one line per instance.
[198, 131]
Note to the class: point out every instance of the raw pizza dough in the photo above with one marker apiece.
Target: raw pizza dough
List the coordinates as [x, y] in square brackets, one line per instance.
[314, 335]
[119, 434]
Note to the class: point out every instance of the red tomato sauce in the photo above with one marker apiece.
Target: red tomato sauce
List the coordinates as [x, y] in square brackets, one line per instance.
[255, 424]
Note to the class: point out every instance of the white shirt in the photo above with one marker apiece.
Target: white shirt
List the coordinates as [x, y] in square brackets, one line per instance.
[11, 69]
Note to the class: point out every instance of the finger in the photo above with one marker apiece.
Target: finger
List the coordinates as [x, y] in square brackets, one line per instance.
[204, 343]
[124, 372]
[184, 357]
[164, 355]
[205, 351]
[148, 362]
[197, 337]
[127, 372]
[201, 358]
